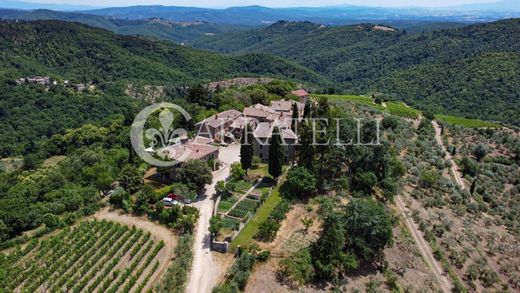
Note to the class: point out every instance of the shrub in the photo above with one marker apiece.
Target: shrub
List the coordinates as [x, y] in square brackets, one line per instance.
[267, 230]
[301, 181]
[298, 268]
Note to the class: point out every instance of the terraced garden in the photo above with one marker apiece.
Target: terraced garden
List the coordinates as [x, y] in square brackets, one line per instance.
[244, 208]
[97, 256]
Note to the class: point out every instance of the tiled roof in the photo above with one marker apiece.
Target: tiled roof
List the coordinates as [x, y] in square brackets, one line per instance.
[258, 111]
[265, 129]
[222, 118]
[285, 105]
[300, 93]
[240, 122]
[189, 151]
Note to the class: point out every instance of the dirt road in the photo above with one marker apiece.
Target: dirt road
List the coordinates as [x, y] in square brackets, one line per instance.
[454, 167]
[424, 248]
[204, 270]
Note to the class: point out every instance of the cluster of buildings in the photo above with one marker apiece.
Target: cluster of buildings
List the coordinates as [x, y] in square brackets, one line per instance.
[40, 80]
[228, 127]
[48, 81]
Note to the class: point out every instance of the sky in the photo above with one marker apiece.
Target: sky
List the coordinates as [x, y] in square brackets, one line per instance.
[267, 3]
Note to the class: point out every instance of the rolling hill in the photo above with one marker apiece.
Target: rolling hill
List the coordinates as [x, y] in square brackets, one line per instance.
[158, 28]
[470, 71]
[331, 15]
[76, 51]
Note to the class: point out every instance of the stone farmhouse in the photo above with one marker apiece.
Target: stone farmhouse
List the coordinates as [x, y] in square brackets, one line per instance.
[228, 126]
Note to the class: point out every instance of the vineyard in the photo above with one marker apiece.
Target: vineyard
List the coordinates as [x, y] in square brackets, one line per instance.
[95, 256]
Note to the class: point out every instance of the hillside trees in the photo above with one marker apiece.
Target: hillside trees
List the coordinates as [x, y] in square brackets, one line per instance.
[368, 228]
[330, 260]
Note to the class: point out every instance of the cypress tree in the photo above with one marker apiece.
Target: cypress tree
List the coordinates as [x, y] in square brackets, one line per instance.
[306, 150]
[276, 154]
[307, 109]
[295, 116]
[246, 148]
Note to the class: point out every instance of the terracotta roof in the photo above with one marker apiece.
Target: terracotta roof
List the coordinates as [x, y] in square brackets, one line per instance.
[201, 140]
[240, 122]
[222, 118]
[189, 151]
[300, 93]
[258, 110]
[285, 105]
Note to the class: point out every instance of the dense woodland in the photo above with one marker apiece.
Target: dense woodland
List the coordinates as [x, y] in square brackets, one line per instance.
[470, 71]
[78, 52]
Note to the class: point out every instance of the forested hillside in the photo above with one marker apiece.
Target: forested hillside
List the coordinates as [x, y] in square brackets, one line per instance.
[458, 71]
[158, 28]
[78, 53]
[75, 51]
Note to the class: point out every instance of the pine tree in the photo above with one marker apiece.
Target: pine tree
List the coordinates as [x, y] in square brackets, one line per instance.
[276, 154]
[246, 148]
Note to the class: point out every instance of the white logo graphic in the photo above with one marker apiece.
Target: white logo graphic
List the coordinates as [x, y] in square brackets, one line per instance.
[159, 147]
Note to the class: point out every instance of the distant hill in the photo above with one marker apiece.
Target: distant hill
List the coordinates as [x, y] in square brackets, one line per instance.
[470, 71]
[76, 51]
[178, 32]
[337, 15]
[503, 5]
[15, 4]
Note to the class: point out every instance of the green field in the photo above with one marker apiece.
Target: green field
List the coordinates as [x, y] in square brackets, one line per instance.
[469, 123]
[393, 107]
[400, 109]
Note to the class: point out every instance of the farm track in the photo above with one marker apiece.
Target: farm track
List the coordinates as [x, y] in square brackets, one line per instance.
[424, 248]
[454, 167]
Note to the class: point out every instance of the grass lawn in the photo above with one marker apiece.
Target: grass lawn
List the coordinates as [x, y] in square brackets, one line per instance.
[242, 186]
[469, 123]
[245, 236]
[261, 171]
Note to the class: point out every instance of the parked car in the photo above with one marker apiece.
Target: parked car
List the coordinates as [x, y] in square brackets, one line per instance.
[169, 202]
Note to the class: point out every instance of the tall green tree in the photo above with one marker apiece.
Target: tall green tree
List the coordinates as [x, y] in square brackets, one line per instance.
[330, 260]
[368, 228]
[195, 173]
[307, 109]
[276, 154]
[301, 181]
[306, 150]
[246, 148]
[295, 116]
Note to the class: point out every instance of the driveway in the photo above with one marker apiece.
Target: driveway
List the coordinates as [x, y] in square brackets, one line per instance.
[204, 270]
